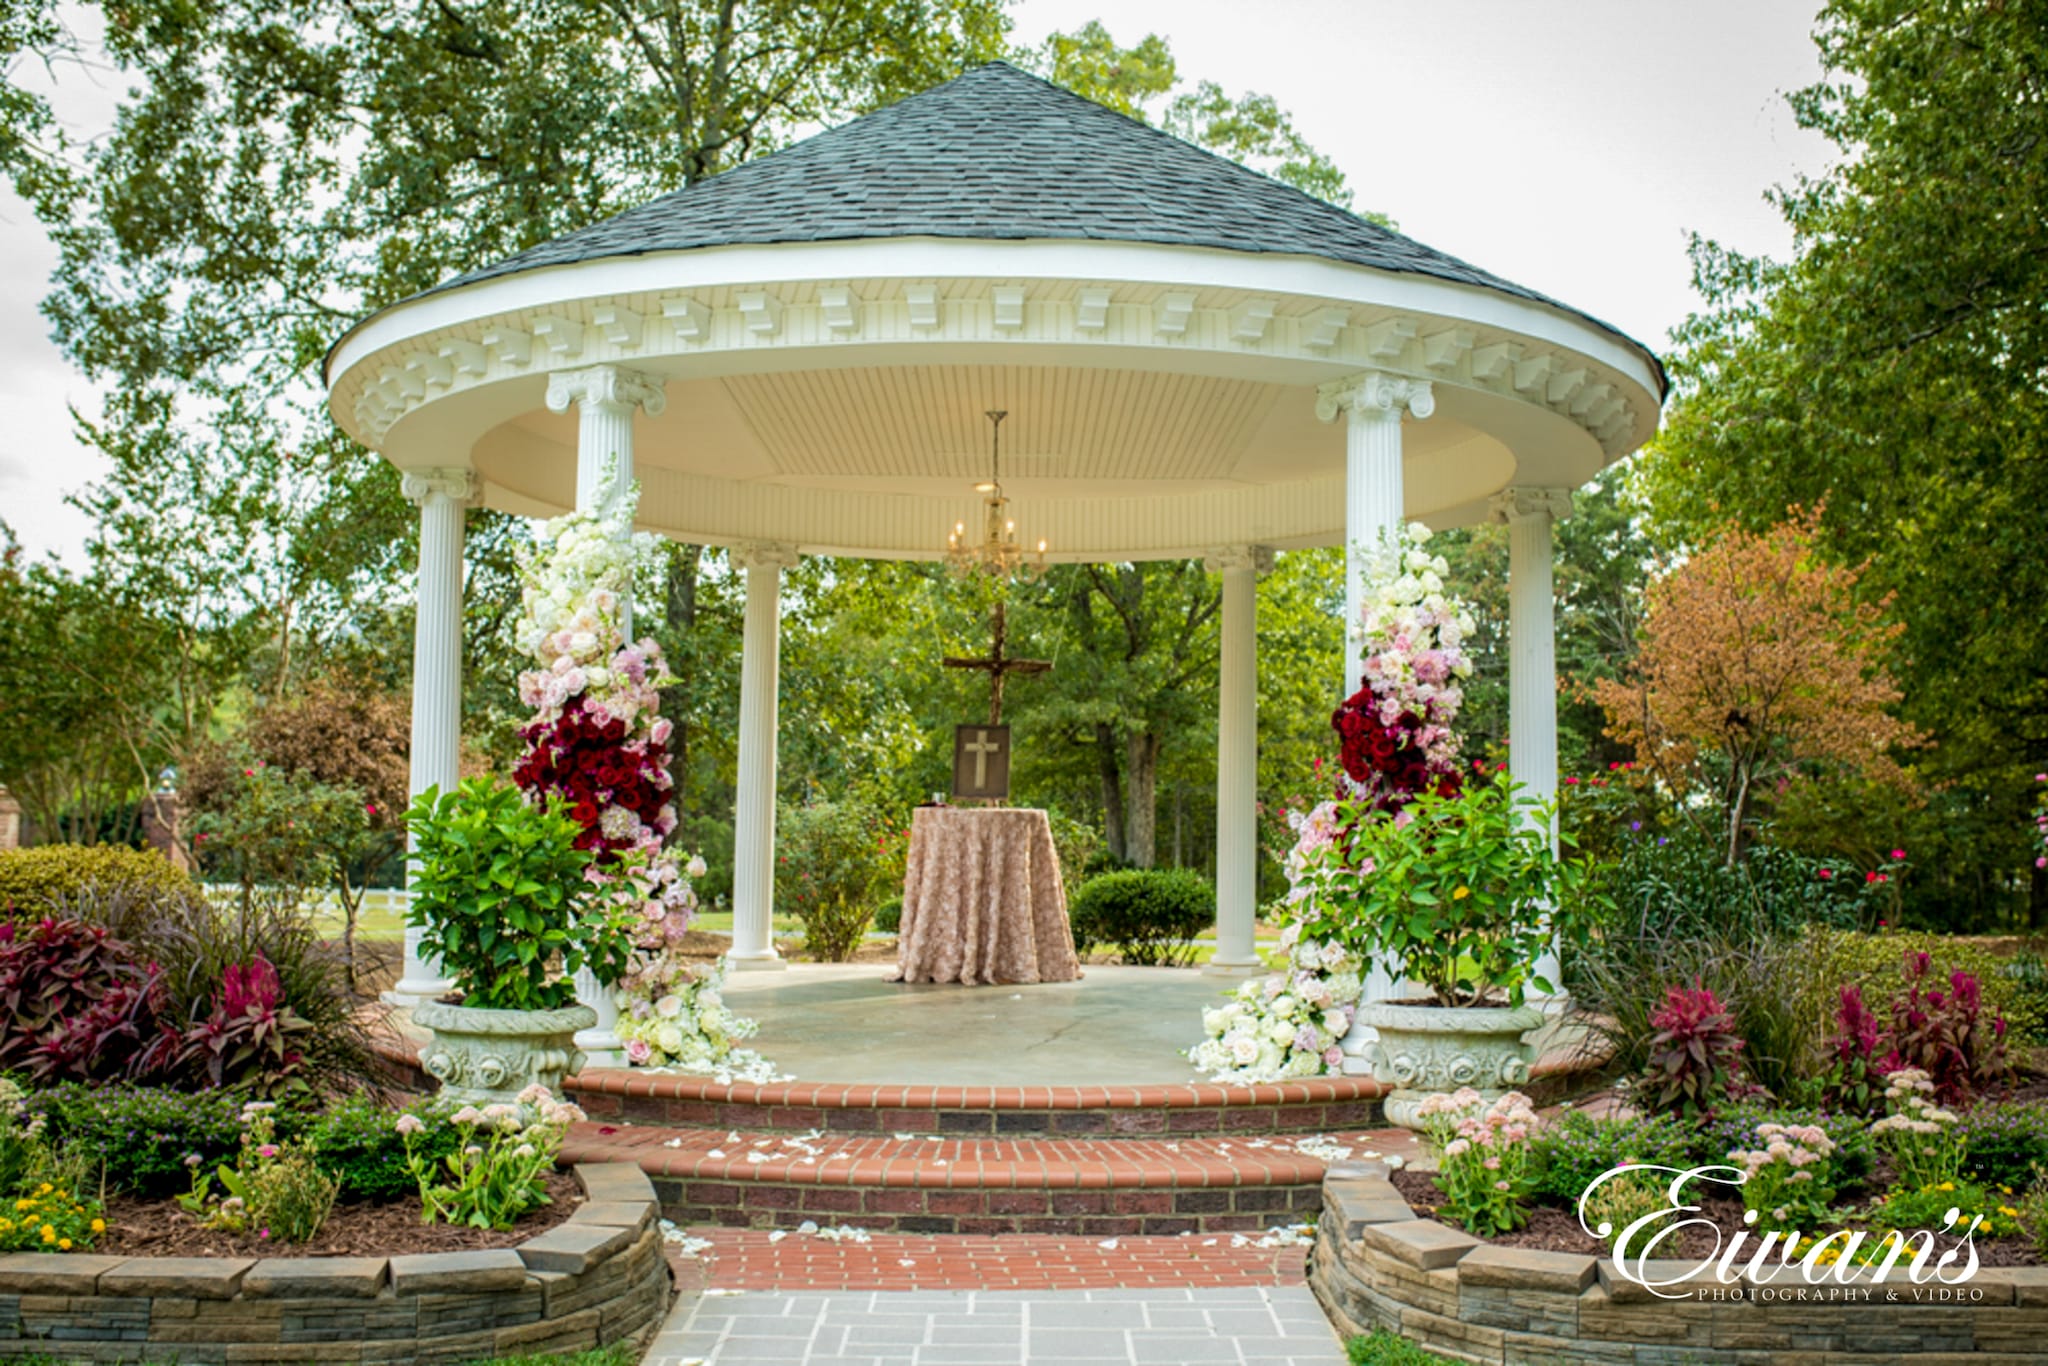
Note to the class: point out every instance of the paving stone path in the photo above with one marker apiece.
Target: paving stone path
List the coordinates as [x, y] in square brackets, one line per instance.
[1238, 1325]
[898, 1300]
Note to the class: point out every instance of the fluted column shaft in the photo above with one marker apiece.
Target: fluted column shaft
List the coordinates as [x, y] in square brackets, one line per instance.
[753, 868]
[606, 398]
[1237, 762]
[1373, 403]
[1532, 649]
[443, 497]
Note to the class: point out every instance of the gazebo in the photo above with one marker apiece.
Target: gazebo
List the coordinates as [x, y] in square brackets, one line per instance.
[795, 357]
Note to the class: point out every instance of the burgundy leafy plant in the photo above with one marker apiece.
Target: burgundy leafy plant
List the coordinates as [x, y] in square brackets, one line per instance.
[1695, 1059]
[71, 995]
[1855, 1079]
[1946, 1034]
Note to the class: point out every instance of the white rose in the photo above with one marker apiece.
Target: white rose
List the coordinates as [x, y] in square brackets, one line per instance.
[1283, 1005]
[669, 1038]
[1243, 1049]
[668, 1007]
[1280, 1032]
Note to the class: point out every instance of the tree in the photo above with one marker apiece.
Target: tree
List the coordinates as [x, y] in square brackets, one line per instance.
[1893, 366]
[1760, 667]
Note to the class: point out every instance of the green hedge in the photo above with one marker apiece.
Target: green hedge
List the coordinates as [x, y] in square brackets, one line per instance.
[35, 882]
[2015, 985]
[1151, 915]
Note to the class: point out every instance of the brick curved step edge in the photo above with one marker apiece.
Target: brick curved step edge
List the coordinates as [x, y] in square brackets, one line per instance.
[1316, 1105]
[913, 1184]
[597, 1279]
[1377, 1265]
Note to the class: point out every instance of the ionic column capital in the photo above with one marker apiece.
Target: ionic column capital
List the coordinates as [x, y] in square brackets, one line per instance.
[1375, 393]
[1257, 558]
[764, 555]
[462, 486]
[1514, 504]
[611, 386]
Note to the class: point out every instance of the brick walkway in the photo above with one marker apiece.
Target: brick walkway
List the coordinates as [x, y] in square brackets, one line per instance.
[752, 1259]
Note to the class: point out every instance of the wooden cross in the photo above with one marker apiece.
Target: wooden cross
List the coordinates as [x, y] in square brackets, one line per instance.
[997, 665]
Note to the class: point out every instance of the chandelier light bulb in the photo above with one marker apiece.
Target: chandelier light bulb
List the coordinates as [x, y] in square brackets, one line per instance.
[998, 555]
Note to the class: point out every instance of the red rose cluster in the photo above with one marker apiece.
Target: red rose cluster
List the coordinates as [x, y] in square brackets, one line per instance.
[1385, 761]
[588, 761]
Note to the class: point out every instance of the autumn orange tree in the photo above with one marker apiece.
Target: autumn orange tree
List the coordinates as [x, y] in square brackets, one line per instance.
[1759, 665]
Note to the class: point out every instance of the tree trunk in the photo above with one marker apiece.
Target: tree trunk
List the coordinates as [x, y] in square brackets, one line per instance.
[2037, 898]
[1180, 821]
[1112, 791]
[1141, 815]
[684, 562]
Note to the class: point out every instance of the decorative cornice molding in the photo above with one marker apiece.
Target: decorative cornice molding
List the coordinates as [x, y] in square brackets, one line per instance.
[764, 555]
[611, 385]
[458, 485]
[1375, 393]
[1514, 504]
[1257, 558]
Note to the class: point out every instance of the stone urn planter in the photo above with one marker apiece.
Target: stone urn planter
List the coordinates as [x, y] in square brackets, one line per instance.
[1424, 1049]
[487, 1056]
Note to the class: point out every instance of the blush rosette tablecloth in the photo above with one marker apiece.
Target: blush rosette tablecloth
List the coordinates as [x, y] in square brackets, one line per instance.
[983, 904]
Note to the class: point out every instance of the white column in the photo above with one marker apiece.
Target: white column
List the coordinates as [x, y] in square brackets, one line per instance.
[1532, 648]
[1373, 403]
[442, 496]
[606, 397]
[1237, 762]
[753, 859]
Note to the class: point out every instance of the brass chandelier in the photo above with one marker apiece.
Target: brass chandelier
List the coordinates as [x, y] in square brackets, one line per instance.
[998, 554]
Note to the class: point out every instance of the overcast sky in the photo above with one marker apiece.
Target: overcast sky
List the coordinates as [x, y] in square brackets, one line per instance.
[1568, 146]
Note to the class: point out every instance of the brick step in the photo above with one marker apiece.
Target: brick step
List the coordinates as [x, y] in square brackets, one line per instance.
[1316, 1106]
[908, 1183]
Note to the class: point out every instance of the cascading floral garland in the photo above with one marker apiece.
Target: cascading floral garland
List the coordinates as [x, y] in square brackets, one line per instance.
[1396, 741]
[597, 739]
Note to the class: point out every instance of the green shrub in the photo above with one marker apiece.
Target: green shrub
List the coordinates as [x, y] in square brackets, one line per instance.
[830, 864]
[1577, 1147]
[889, 916]
[2023, 983]
[140, 1136]
[357, 1143]
[2006, 1142]
[36, 882]
[1680, 883]
[1151, 915]
[2010, 985]
[1383, 1348]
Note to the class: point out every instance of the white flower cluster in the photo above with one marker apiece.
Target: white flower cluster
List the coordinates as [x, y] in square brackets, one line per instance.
[1286, 1026]
[1412, 636]
[1910, 1092]
[1315, 830]
[674, 1015]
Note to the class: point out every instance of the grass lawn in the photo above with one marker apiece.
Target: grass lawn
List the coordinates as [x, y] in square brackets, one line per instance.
[1382, 1348]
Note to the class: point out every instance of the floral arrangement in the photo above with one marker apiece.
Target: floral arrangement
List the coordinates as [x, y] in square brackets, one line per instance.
[597, 738]
[671, 1017]
[1790, 1176]
[1396, 732]
[1485, 1166]
[1285, 1026]
[500, 1170]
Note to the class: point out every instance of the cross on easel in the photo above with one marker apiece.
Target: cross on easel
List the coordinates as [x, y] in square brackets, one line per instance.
[998, 665]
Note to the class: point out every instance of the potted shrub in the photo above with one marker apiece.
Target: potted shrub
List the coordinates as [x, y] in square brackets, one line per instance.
[1460, 895]
[501, 898]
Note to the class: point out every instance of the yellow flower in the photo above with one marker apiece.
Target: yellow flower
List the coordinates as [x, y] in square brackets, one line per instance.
[1946, 1186]
[45, 1188]
[49, 1234]
[2008, 1211]
[21, 1205]
[99, 1226]
[63, 1244]
[1461, 894]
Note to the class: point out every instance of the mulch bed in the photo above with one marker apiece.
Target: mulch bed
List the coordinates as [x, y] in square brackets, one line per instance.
[1557, 1230]
[159, 1228]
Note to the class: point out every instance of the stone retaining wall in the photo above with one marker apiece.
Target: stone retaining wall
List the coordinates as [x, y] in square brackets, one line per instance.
[598, 1278]
[1378, 1266]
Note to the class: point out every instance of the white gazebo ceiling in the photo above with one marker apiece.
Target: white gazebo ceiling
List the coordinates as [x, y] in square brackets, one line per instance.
[830, 334]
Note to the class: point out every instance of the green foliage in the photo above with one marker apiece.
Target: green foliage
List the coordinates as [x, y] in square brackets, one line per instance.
[2033, 1216]
[1740, 1126]
[50, 1218]
[1576, 1147]
[43, 880]
[356, 1140]
[1894, 363]
[497, 1170]
[1383, 1347]
[830, 858]
[2022, 982]
[275, 1190]
[1927, 1207]
[1151, 915]
[889, 916]
[501, 898]
[2006, 1142]
[1681, 883]
[140, 1136]
[1872, 961]
[1462, 897]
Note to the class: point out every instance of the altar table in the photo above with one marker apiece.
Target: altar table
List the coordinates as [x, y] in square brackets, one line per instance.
[982, 900]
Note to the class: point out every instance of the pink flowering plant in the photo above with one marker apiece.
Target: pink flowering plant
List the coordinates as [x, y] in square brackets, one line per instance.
[499, 1171]
[274, 1190]
[1923, 1139]
[1790, 1176]
[1485, 1159]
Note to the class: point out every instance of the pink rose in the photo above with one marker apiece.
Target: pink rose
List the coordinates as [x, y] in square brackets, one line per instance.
[638, 1050]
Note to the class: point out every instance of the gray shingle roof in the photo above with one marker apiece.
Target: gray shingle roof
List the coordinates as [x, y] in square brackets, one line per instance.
[1000, 154]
